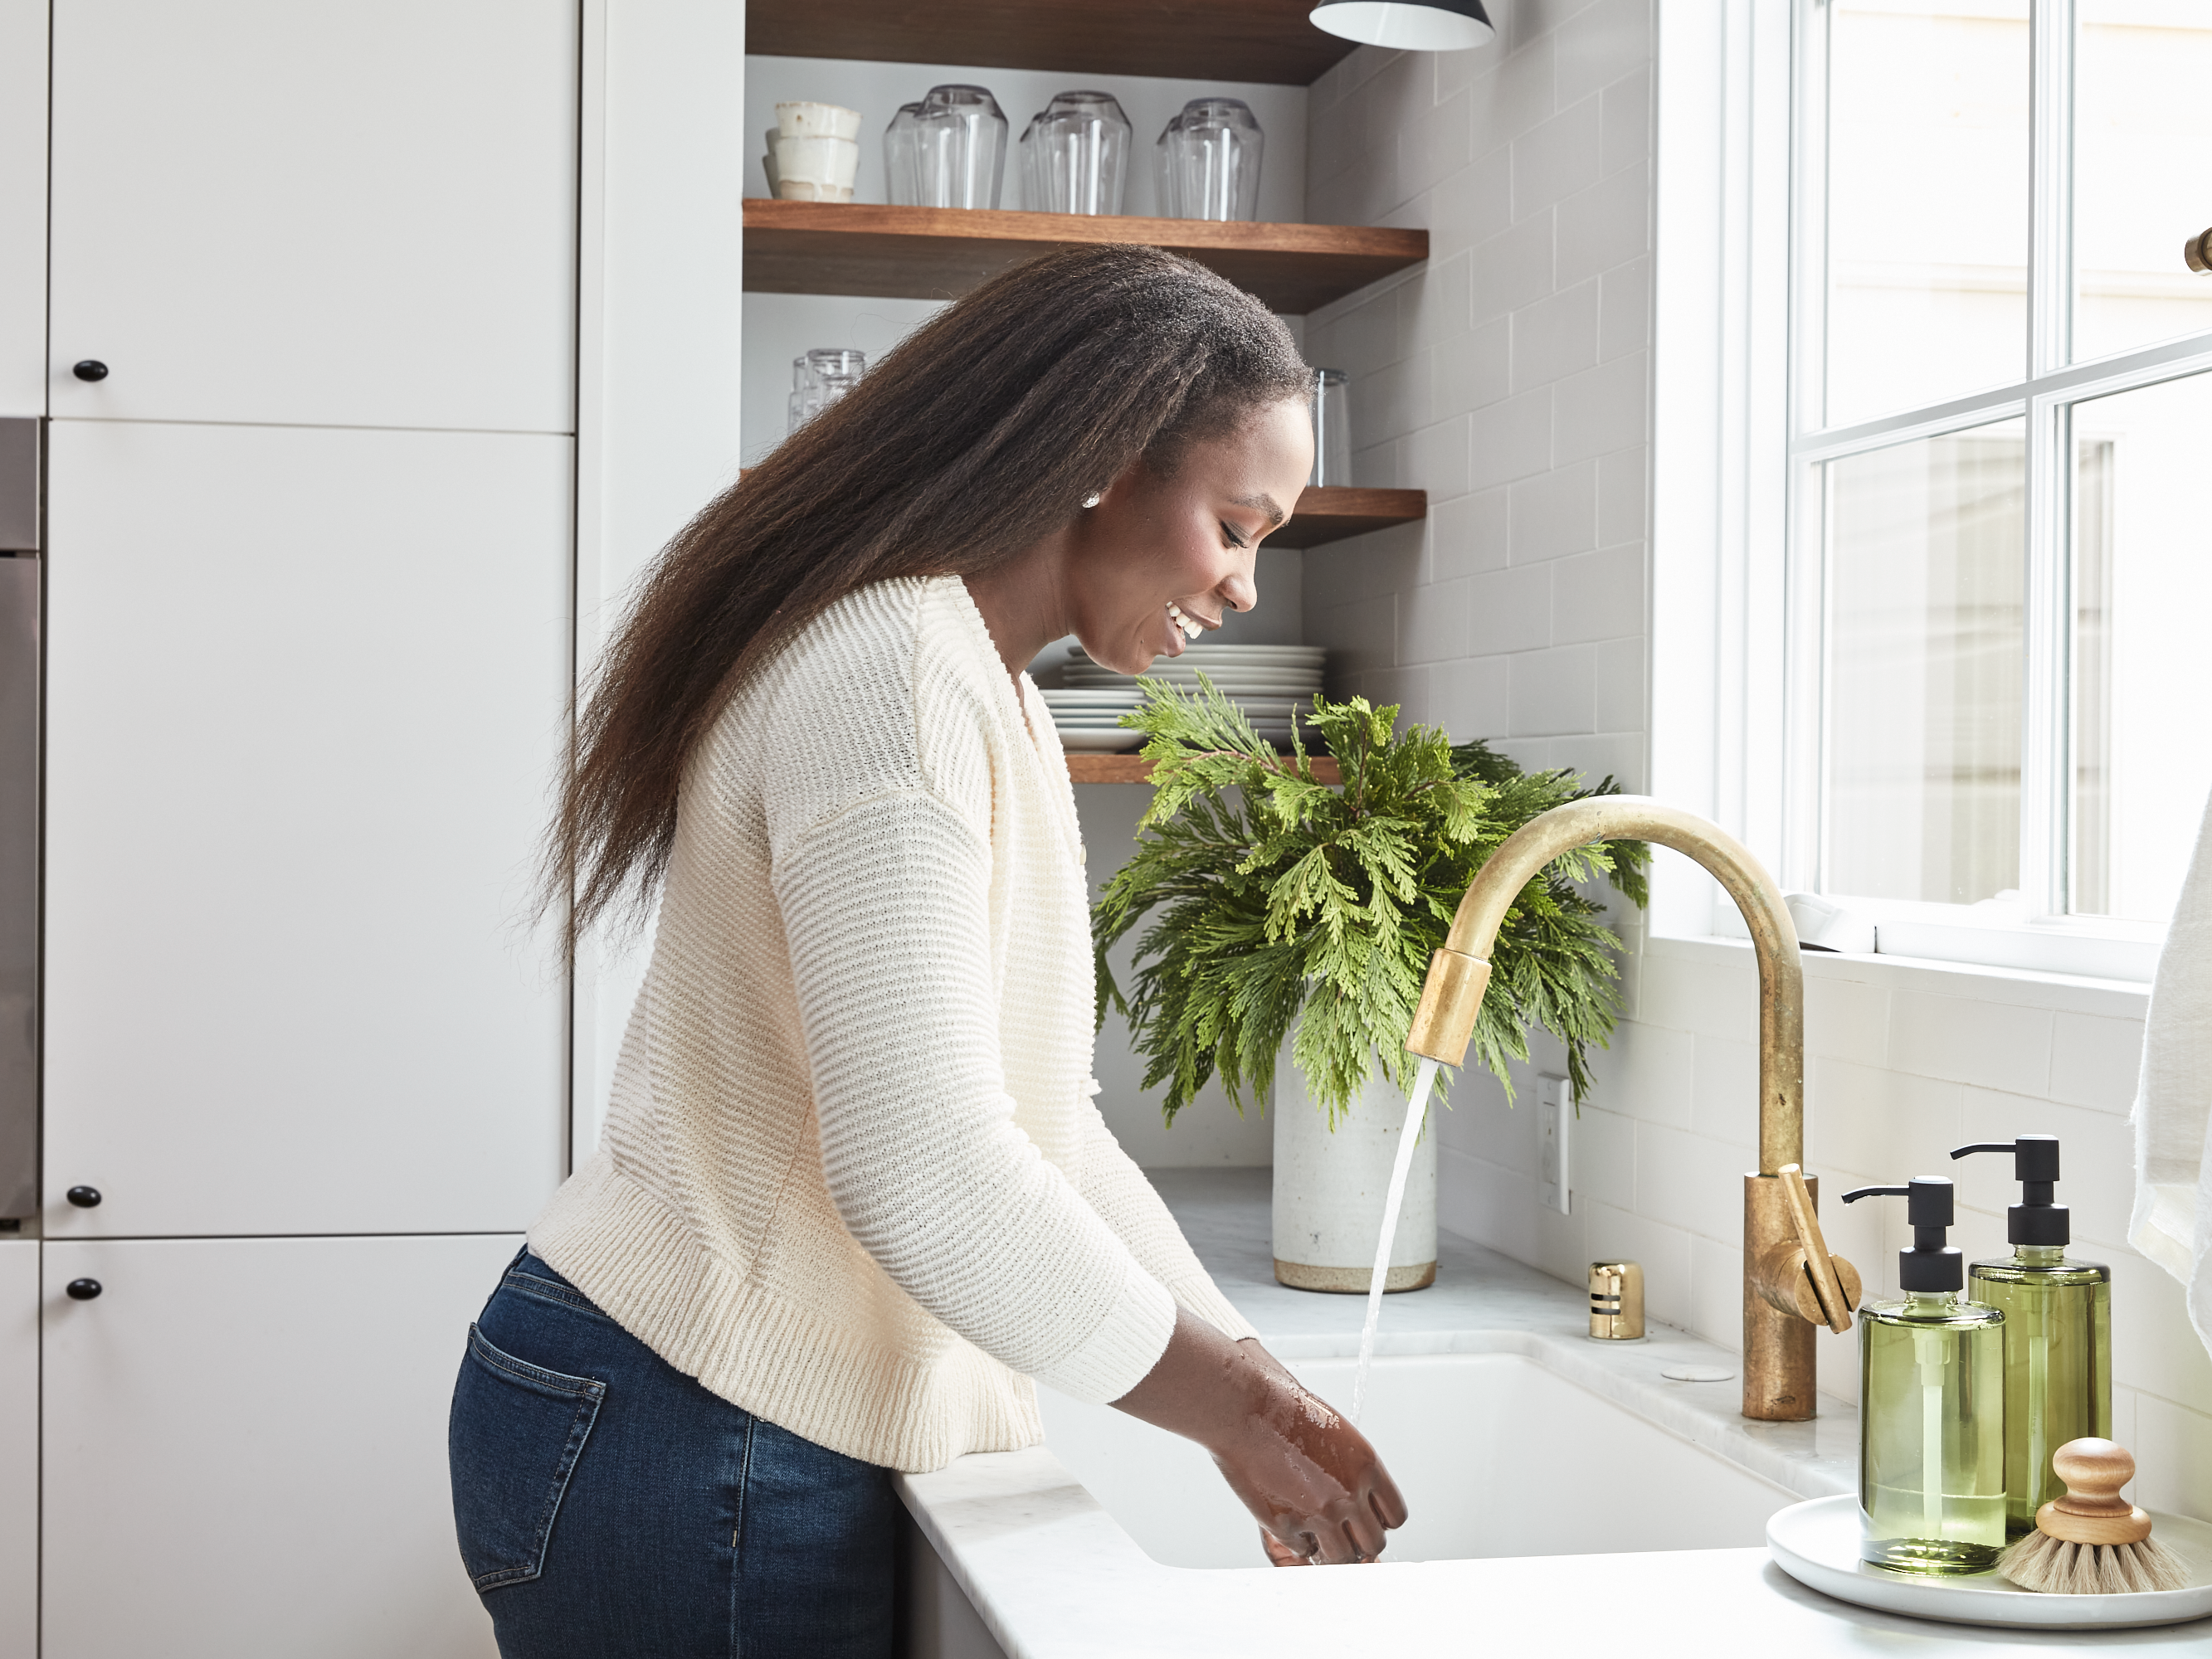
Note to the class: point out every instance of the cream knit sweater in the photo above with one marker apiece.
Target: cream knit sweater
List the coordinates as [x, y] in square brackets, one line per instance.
[852, 1179]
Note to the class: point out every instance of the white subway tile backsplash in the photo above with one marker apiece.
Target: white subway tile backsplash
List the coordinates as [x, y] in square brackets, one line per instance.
[1970, 1041]
[1471, 207]
[1619, 754]
[2154, 1347]
[1846, 1019]
[1724, 1096]
[1468, 534]
[1605, 226]
[1435, 143]
[1433, 625]
[1602, 1157]
[2173, 1446]
[1599, 596]
[2097, 1166]
[1359, 338]
[1394, 400]
[1511, 440]
[1473, 696]
[1513, 269]
[1554, 691]
[1438, 456]
[1472, 370]
[1558, 158]
[1602, 409]
[1716, 1296]
[1718, 999]
[1621, 685]
[1555, 337]
[1664, 1251]
[1627, 133]
[1624, 499]
[1507, 609]
[1513, 98]
[1689, 1182]
[1624, 322]
[1888, 1126]
[1554, 513]
[1647, 1073]
[2095, 1061]
[1598, 44]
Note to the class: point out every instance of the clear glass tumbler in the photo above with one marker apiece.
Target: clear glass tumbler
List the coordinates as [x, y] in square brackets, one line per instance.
[1332, 423]
[903, 158]
[819, 379]
[1075, 155]
[961, 152]
[1209, 161]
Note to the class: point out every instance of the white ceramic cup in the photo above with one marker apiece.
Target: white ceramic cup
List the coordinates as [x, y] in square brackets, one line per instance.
[816, 169]
[806, 120]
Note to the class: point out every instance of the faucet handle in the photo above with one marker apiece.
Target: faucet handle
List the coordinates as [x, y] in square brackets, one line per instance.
[1801, 1275]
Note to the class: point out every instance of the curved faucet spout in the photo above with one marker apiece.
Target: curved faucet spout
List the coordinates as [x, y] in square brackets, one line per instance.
[1459, 972]
[1790, 1282]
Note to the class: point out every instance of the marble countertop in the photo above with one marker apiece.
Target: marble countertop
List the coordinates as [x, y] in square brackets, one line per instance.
[1054, 1576]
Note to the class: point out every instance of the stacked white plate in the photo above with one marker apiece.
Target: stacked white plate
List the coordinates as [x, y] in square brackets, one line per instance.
[1084, 717]
[1274, 684]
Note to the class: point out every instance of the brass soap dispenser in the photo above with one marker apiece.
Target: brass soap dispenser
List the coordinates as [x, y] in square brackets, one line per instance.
[1931, 1407]
[2058, 1332]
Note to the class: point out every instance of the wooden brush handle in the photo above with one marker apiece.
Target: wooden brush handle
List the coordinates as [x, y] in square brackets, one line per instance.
[2092, 1511]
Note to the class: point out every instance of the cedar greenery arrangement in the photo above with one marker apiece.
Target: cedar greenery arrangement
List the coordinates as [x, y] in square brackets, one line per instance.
[1270, 891]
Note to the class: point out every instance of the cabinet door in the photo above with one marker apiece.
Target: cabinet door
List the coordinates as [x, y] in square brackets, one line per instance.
[245, 1446]
[19, 1449]
[23, 213]
[316, 211]
[305, 690]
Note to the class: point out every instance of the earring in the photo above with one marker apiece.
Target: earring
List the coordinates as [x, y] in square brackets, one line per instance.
[1093, 498]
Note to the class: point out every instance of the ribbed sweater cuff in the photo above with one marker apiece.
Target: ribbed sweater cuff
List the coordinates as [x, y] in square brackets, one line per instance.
[1128, 1343]
[1203, 1297]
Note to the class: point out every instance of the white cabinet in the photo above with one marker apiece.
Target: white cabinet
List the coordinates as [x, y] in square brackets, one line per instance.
[317, 211]
[19, 1449]
[22, 217]
[306, 692]
[245, 1448]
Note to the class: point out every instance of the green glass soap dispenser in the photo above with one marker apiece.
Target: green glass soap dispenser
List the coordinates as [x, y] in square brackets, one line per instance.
[1931, 1405]
[2058, 1332]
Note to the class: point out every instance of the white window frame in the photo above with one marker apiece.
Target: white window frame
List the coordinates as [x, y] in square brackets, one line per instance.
[1738, 616]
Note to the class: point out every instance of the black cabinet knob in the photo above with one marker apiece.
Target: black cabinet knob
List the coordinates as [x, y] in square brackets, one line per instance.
[90, 369]
[85, 1198]
[84, 1290]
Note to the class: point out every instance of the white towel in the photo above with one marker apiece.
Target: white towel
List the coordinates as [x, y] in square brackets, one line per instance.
[2173, 1220]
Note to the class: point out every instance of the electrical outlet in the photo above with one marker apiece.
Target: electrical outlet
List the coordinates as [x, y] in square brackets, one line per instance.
[1555, 1116]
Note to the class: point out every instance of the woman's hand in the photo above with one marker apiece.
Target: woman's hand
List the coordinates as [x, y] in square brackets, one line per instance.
[1311, 1478]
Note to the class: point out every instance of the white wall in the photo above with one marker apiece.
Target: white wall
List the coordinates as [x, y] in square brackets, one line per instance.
[1508, 377]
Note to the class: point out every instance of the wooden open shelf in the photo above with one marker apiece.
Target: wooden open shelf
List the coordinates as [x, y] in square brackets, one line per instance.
[939, 254]
[1135, 769]
[1332, 513]
[1266, 40]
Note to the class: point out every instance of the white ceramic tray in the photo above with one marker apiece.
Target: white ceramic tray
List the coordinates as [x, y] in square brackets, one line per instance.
[1097, 739]
[1817, 1543]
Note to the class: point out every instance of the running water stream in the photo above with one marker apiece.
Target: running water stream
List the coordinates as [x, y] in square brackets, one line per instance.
[1416, 1108]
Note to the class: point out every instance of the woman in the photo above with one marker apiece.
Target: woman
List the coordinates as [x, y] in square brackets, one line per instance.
[852, 1194]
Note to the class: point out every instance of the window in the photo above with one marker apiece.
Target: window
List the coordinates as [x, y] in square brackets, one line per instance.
[2000, 462]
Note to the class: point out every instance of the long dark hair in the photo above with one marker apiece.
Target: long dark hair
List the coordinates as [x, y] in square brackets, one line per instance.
[981, 434]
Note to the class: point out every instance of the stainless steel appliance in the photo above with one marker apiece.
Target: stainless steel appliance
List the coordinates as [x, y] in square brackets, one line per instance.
[22, 520]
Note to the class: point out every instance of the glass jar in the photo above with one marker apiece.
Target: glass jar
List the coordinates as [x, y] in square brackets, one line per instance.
[819, 379]
[1075, 155]
[960, 149]
[903, 158]
[1208, 161]
[1931, 1434]
[1332, 425]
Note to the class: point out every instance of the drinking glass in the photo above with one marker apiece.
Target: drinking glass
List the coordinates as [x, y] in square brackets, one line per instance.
[1332, 428]
[960, 148]
[1209, 161]
[1075, 155]
[901, 158]
[819, 379]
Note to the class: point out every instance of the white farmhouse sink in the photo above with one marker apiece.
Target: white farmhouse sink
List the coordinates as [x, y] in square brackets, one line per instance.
[1497, 1456]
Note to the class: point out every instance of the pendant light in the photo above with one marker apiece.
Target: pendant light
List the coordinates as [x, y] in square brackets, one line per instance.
[1407, 25]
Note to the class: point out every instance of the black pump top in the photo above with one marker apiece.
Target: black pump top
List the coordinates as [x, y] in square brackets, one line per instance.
[2035, 1220]
[1933, 1263]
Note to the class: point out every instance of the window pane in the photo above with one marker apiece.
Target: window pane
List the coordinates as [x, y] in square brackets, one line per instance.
[1928, 154]
[1926, 564]
[2141, 764]
[2143, 172]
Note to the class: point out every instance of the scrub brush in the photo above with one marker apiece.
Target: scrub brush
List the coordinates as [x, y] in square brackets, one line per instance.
[2092, 1541]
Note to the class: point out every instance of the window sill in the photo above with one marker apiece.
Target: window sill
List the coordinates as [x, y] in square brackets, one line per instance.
[1996, 936]
[2080, 994]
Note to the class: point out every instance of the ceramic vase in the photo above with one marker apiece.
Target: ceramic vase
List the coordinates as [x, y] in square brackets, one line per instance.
[1330, 1187]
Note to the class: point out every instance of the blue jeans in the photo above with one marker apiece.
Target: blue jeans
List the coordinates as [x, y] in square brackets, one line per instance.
[609, 1506]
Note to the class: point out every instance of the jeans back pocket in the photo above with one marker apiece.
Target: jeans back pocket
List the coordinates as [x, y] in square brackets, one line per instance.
[513, 1438]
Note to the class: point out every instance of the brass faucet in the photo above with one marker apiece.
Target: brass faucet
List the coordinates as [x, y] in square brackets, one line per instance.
[1790, 1282]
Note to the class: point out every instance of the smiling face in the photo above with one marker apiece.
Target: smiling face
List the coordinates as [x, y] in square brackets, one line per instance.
[1159, 560]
